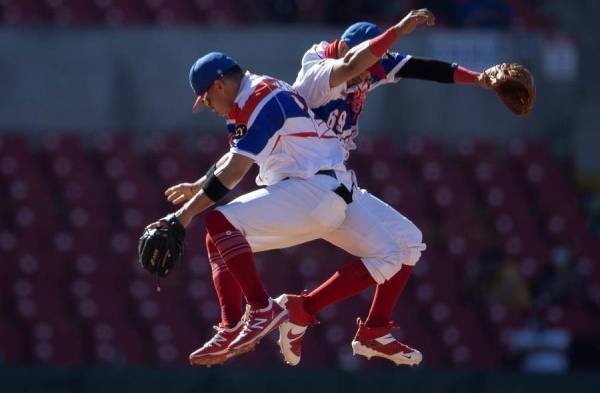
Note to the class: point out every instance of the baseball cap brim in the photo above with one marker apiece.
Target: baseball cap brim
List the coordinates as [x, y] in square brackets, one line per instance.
[198, 104]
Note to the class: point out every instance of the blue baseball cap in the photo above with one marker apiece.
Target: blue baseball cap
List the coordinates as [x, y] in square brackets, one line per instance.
[360, 32]
[205, 71]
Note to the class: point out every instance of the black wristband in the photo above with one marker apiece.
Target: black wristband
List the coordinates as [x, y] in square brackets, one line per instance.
[211, 171]
[214, 189]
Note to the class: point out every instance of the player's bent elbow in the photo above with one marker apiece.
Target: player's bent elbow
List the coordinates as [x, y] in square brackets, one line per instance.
[342, 73]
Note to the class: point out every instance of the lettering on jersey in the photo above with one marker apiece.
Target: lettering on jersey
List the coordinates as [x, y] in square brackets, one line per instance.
[337, 120]
[240, 131]
[236, 133]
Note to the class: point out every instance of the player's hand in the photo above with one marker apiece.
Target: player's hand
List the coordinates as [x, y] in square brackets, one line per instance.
[413, 19]
[181, 193]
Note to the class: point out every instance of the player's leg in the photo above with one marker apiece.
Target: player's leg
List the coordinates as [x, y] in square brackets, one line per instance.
[287, 213]
[373, 337]
[229, 295]
[409, 237]
[378, 254]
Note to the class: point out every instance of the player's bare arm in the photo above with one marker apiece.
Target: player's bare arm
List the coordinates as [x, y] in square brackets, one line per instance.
[183, 192]
[233, 167]
[228, 175]
[353, 62]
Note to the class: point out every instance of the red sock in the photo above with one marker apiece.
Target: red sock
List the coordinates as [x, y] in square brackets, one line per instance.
[351, 279]
[228, 290]
[464, 75]
[237, 255]
[386, 296]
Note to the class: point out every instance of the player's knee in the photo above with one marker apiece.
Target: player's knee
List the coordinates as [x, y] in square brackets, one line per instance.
[413, 247]
[383, 268]
[412, 235]
[215, 222]
[410, 241]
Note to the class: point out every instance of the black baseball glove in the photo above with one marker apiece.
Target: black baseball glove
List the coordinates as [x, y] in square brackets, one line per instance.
[161, 246]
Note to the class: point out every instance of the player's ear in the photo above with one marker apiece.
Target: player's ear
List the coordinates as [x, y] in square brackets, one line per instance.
[219, 85]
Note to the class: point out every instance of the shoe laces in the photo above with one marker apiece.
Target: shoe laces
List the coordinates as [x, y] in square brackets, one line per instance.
[248, 320]
[246, 313]
[217, 338]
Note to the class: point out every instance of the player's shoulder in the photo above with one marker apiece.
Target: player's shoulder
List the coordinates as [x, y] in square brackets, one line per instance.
[254, 96]
[256, 87]
[315, 54]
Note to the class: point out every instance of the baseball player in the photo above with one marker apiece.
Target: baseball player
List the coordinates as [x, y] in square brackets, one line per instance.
[338, 101]
[300, 163]
[265, 219]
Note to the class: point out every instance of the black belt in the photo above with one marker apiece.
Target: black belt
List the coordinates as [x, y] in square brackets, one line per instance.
[328, 172]
[342, 191]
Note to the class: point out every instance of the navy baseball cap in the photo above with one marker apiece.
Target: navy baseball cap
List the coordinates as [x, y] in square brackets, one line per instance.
[205, 71]
[360, 32]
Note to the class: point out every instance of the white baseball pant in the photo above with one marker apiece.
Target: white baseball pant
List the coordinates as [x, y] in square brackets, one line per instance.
[287, 213]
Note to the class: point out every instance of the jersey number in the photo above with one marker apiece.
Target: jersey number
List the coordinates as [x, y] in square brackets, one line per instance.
[337, 120]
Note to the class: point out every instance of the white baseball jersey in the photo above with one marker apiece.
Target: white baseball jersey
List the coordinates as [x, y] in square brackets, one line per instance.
[274, 126]
[341, 106]
[373, 230]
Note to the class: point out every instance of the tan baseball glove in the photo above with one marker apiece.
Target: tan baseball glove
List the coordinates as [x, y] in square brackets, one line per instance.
[514, 85]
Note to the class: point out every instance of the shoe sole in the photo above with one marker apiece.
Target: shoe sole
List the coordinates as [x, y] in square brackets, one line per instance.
[290, 361]
[213, 360]
[208, 360]
[362, 350]
[282, 301]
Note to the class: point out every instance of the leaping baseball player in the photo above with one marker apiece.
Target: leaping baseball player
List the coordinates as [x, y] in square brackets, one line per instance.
[275, 133]
[258, 132]
[337, 97]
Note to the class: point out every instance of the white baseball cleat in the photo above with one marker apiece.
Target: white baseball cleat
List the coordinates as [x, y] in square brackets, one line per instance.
[291, 332]
[370, 342]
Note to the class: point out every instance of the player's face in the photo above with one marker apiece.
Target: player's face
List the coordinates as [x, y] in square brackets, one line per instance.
[217, 98]
[342, 50]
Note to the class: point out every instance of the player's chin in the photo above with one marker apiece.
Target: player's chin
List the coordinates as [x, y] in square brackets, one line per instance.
[353, 81]
[220, 113]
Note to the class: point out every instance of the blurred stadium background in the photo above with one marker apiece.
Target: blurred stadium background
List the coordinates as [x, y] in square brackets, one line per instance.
[95, 123]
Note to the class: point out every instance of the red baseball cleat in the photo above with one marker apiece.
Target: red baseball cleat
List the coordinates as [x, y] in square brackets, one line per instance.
[215, 350]
[291, 332]
[257, 324]
[371, 342]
